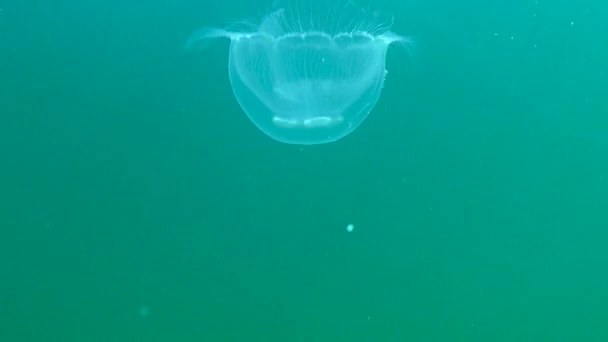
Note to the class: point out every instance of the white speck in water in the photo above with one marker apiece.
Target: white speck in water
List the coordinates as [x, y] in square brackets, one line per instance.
[350, 227]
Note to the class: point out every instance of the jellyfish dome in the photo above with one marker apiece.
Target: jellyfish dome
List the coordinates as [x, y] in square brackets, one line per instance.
[309, 73]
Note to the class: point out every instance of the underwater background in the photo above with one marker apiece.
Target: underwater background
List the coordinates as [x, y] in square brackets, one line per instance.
[139, 203]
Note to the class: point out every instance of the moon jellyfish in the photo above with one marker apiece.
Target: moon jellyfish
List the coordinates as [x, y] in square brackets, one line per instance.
[309, 74]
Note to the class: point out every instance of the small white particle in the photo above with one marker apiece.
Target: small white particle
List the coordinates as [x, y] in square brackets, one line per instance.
[350, 227]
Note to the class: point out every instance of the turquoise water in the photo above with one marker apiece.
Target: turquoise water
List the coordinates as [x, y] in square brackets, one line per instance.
[139, 203]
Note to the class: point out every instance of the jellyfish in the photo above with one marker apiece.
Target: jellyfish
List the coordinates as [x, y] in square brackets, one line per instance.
[309, 73]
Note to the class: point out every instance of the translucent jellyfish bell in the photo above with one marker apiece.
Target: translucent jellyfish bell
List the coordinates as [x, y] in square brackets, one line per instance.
[309, 74]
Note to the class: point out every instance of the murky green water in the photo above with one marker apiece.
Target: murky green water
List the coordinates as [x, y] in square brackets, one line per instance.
[138, 202]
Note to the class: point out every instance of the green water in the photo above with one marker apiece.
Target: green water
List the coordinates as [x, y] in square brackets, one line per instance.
[138, 202]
